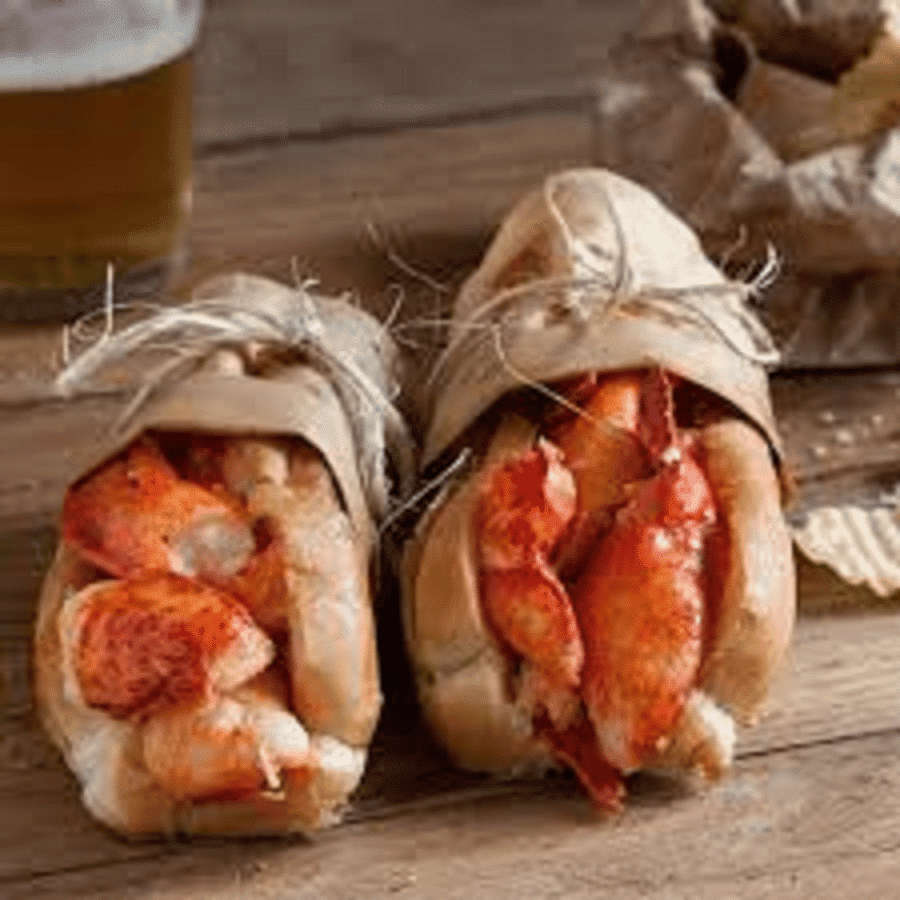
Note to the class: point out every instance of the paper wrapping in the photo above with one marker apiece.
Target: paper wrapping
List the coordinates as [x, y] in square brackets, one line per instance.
[295, 395]
[624, 284]
[588, 272]
[731, 120]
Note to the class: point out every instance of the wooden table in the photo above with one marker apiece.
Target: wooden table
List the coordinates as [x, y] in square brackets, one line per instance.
[362, 141]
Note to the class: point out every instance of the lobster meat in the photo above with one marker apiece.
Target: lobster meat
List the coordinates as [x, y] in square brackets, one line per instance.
[145, 645]
[136, 515]
[610, 557]
[229, 634]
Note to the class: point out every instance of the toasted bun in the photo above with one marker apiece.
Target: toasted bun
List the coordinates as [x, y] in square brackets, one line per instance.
[460, 672]
[754, 601]
[329, 608]
[758, 596]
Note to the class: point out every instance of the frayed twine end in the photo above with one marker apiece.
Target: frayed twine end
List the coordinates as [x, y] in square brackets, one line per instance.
[603, 283]
[187, 333]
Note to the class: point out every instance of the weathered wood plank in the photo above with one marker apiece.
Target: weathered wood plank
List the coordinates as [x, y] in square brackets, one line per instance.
[841, 431]
[819, 822]
[842, 678]
[435, 193]
[283, 67]
[812, 808]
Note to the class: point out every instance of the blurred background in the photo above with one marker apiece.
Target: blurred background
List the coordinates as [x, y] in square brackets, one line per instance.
[102, 108]
[304, 67]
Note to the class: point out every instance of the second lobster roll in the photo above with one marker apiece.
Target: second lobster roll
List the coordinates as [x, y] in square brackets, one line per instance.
[610, 585]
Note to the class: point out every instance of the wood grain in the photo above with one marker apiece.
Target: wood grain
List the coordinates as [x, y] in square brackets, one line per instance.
[283, 68]
[818, 822]
[433, 194]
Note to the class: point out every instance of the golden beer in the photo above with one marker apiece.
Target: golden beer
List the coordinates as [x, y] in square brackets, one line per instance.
[92, 173]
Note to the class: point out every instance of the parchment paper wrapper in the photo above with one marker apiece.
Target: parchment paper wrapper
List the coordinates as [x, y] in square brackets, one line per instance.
[626, 285]
[325, 373]
[330, 380]
[731, 120]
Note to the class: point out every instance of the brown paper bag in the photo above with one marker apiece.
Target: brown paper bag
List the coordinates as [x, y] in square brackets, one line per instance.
[733, 123]
[823, 37]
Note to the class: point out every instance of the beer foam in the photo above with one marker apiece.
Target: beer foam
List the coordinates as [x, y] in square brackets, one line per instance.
[100, 43]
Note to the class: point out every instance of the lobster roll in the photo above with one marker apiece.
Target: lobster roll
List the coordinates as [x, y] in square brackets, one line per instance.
[205, 651]
[608, 585]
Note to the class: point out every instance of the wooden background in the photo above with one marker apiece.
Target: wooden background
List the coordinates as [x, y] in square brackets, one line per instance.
[346, 136]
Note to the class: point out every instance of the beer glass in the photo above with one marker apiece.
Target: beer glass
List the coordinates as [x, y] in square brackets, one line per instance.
[95, 148]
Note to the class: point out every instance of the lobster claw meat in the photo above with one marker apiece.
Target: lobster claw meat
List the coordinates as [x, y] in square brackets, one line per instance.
[524, 508]
[137, 515]
[640, 604]
[149, 644]
[622, 630]
[602, 449]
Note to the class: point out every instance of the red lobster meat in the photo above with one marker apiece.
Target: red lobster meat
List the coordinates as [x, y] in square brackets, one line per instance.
[180, 644]
[601, 595]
